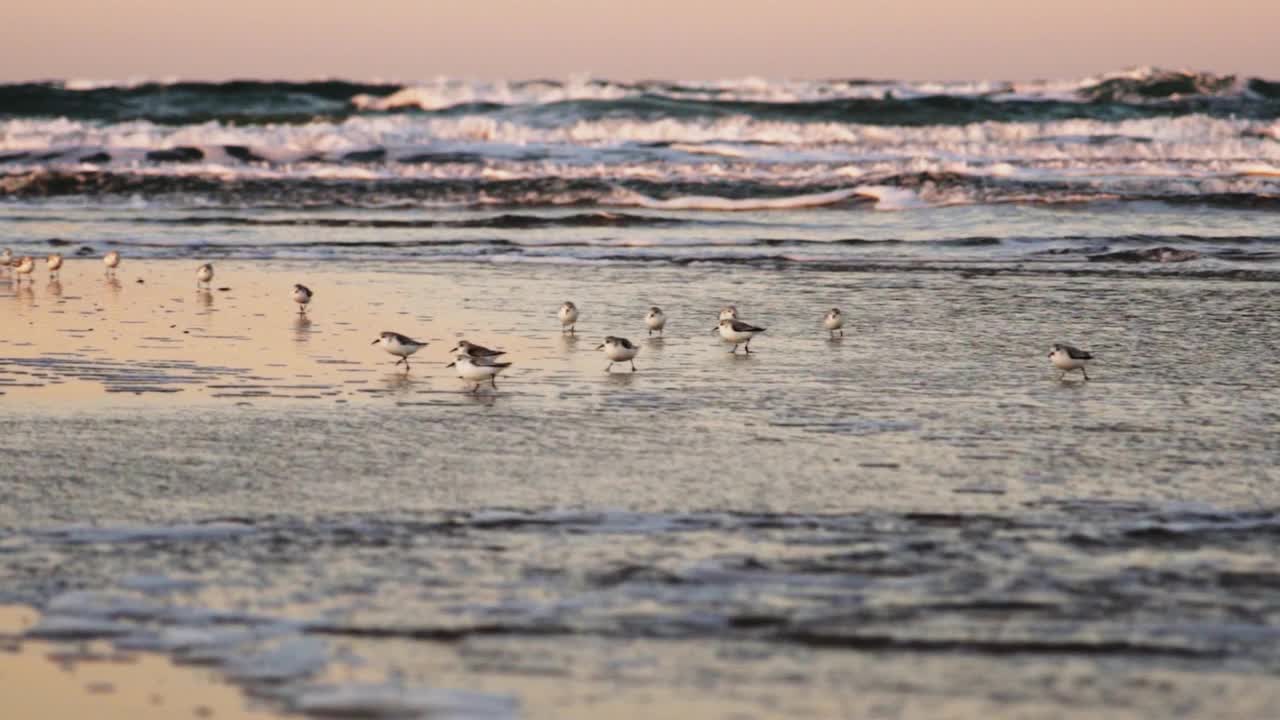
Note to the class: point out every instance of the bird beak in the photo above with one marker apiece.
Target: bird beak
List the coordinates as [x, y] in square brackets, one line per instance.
[375, 342]
[600, 347]
[451, 364]
[454, 350]
[714, 329]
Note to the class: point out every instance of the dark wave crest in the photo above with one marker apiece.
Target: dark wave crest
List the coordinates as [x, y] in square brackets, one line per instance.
[187, 102]
[549, 191]
[1135, 94]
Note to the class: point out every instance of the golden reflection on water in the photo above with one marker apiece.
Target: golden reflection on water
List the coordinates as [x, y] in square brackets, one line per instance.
[91, 680]
[250, 341]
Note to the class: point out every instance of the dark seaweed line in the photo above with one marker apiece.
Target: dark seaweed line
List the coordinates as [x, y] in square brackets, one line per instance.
[758, 628]
[304, 193]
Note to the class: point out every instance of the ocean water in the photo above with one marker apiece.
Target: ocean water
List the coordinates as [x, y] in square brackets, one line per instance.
[917, 520]
[1055, 175]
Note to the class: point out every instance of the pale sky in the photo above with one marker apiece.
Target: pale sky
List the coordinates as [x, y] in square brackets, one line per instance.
[406, 40]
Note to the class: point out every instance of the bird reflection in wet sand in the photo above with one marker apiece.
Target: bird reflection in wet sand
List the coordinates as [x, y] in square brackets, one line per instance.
[568, 342]
[205, 298]
[113, 284]
[54, 288]
[301, 329]
[399, 382]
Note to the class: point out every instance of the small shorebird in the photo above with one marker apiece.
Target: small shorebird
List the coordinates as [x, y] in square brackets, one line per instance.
[655, 320]
[24, 267]
[737, 332]
[728, 312]
[204, 274]
[6, 259]
[54, 262]
[476, 351]
[568, 317]
[111, 260]
[1067, 358]
[619, 349]
[397, 344]
[302, 296]
[834, 321]
[476, 370]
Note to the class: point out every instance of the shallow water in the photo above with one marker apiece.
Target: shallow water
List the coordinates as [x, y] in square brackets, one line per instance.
[816, 522]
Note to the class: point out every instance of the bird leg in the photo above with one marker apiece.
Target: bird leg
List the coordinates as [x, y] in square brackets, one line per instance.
[1085, 373]
[493, 380]
[609, 368]
[633, 366]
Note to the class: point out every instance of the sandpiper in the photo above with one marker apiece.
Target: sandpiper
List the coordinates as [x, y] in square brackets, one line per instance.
[1067, 358]
[655, 320]
[6, 259]
[476, 351]
[111, 260]
[728, 312]
[834, 321]
[400, 345]
[204, 273]
[302, 296]
[568, 317]
[619, 349]
[24, 267]
[476, 370]
[54, 262]
[737, 332]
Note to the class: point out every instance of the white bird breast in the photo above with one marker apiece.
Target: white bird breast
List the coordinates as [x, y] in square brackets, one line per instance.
[568, 316]
[834, 322]
[1064, 361]
[471, 371]
[655, 321]
[618, 353]
[396, 348]
[733, 336]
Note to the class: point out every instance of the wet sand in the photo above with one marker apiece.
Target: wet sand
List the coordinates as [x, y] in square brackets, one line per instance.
[940, 392]
[794, 533]
[94, 680]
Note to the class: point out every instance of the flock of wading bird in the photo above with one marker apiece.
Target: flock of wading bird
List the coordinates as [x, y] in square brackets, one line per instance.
[476, 363]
